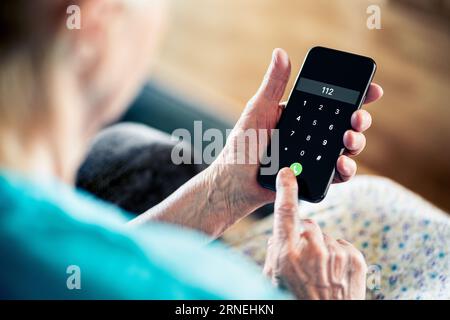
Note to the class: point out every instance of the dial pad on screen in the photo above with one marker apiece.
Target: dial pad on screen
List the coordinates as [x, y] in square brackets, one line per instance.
[313, 131]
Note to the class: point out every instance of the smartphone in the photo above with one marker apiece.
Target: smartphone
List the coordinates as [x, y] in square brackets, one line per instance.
[331, 85]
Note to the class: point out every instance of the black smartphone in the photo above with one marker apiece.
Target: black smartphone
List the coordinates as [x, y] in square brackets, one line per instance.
[331, 85]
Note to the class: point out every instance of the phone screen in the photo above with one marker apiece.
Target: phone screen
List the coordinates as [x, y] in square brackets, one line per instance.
[331, 85]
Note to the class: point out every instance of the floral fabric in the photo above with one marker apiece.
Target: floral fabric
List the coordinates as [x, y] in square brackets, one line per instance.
[405, 240]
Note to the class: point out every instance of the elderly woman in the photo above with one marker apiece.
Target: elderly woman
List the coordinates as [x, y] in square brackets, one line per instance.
[58, 87]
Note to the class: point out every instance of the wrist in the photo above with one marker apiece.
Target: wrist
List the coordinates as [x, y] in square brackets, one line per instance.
[236, 193]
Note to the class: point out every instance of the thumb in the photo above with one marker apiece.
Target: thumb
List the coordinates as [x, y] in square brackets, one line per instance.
[275, 80]
[286, 206]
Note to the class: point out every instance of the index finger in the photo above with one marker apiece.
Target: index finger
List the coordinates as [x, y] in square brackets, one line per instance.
[286, 206]
[374, 93]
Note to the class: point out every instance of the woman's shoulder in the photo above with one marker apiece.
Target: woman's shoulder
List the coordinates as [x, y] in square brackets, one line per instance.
[54, 227]
[46, 197]
[58, 226]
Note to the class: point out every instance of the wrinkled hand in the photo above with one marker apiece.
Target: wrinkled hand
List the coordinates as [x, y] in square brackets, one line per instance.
[242, 192]
[307, 262]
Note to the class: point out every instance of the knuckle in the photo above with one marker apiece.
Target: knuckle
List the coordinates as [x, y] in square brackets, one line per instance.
[286, 259]
[312, 225]
[339, 256]
[287, 207]
[319, 251]
[291, 256]
[343, 242]
[309, 234]
[335, 250]
[358, 262]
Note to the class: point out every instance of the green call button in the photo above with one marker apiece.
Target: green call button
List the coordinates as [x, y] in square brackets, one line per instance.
[297, 168]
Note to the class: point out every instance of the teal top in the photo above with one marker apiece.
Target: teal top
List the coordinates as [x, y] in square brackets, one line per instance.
[53, 238]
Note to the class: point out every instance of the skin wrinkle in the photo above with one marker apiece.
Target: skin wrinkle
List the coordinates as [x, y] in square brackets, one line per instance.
[310, 257]
[274, 92]
[224, 201]
[335, 278]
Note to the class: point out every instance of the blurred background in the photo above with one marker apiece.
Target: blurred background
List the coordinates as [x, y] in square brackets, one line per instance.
[216, 52]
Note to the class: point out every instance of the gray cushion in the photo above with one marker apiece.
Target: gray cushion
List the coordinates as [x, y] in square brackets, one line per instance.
[130, 165]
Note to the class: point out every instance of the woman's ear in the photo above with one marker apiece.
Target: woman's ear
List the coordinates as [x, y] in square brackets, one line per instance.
[112, 53]
[92, 42]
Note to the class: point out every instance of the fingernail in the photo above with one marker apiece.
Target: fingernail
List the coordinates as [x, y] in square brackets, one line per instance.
[279, 59]
[287, 173]
[272, 60]
[283, 177]
[274, 52]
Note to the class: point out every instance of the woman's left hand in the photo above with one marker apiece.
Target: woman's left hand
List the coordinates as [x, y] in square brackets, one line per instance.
[226, 192]
[238, 181]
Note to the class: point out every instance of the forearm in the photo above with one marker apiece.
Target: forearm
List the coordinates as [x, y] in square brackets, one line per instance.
[203, 203]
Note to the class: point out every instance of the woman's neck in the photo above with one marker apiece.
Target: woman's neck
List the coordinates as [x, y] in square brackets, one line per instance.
[43, 156]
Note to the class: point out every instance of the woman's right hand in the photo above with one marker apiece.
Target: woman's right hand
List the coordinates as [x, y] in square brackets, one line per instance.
[305, 261]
